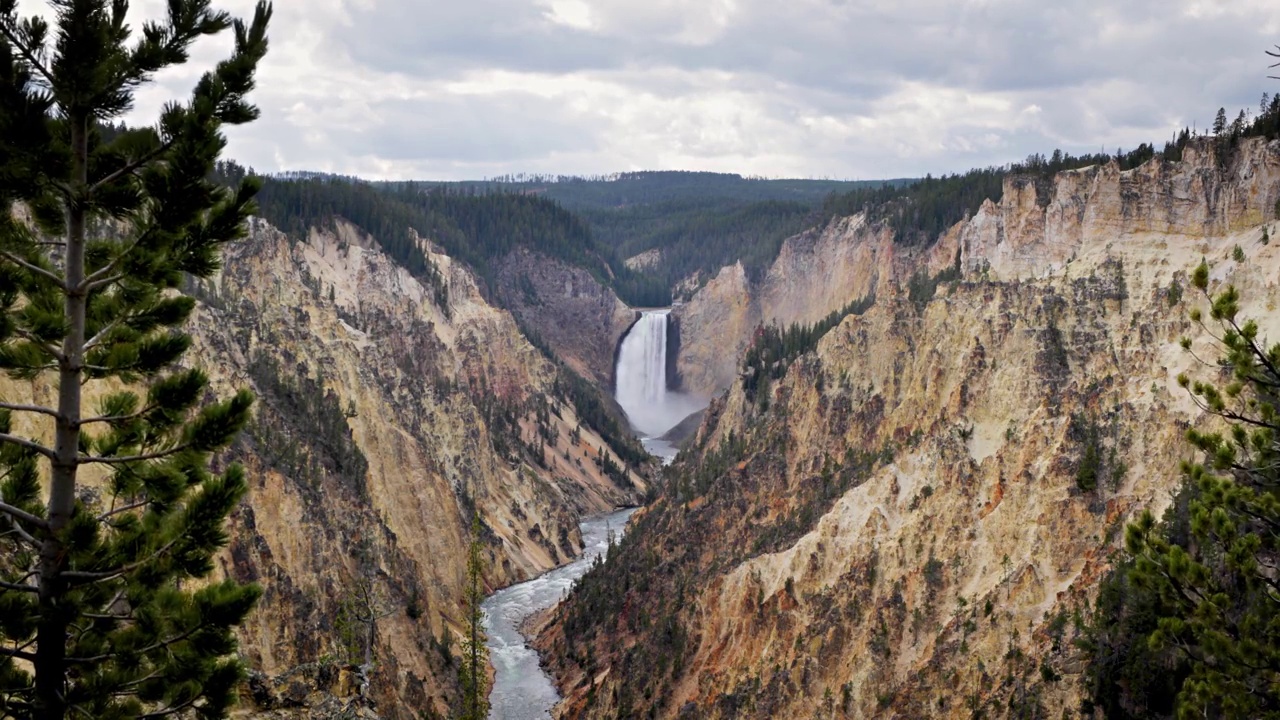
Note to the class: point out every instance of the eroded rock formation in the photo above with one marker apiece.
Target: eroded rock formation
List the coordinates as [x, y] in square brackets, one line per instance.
[1036, 228]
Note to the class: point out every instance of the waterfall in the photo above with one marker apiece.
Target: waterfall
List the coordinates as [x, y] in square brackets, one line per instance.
[641, 387]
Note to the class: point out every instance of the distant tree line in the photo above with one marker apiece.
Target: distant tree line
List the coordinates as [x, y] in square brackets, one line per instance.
[919, 212]
[624, 190]
[700, 221]
[476, 227]
[701, 234]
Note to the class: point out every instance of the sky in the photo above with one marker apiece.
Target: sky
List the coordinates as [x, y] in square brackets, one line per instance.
[849, 89]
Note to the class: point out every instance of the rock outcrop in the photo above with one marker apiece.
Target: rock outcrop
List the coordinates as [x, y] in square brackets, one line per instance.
[902, 526]
[645, 260]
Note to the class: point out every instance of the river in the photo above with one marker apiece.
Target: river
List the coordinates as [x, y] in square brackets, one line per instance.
[521, 689]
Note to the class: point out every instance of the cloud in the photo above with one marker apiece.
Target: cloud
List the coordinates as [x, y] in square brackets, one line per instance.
[836, 88]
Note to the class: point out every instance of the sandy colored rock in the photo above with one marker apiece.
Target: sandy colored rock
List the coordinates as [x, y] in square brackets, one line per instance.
[577, 316]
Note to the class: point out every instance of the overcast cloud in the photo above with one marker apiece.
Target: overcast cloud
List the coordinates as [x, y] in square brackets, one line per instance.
[455, 89]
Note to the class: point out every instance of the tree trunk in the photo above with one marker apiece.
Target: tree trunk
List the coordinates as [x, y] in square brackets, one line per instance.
[368, 645]
[51, 638]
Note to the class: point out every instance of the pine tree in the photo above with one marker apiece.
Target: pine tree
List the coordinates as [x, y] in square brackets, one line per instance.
[1220, 122]
[475, 657]
[1215, 589]
[97, 617]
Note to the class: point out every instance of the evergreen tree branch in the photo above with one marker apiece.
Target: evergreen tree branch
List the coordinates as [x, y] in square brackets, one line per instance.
[30, 445]
[14, 527]
[23, 534]
[1200, 360]
[103, 282]
[17, 654]
[1240, 417]
[110, 604]
[25, 645]
[125, 692]
[108, 616]
[108, 460]
[42, 410]
[150, 648]
[117, 418]
[1258, 353]
[29, 267]
[27, 54]
[92, 342]
[125, 509]
[169, 711]
[52, 350]
[103, 275]
[15, 587]
[87, 578]
[146, 158]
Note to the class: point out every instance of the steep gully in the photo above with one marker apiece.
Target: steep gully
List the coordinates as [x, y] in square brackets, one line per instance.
[521, 689]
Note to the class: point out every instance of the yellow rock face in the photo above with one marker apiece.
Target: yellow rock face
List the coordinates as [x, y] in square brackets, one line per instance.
[945, 573]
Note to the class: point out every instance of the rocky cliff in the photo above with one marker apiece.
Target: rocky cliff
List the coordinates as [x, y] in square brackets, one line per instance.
[816, 272]
[573, 313]
[910, 521]
[385, 411]
[1033, 229]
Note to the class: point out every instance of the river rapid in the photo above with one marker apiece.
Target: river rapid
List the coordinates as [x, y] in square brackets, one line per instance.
[521, 689]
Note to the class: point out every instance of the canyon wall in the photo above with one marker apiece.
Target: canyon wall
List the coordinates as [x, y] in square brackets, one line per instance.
[383, 416]
[580, 319]
[1035, 228]
[905, 525]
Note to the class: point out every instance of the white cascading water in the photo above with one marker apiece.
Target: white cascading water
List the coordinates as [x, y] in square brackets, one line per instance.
[642, 378]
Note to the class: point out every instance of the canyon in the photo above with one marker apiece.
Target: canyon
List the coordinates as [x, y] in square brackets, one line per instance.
[463, 439]
[900, 525]
[889, 523]
[383, 416]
